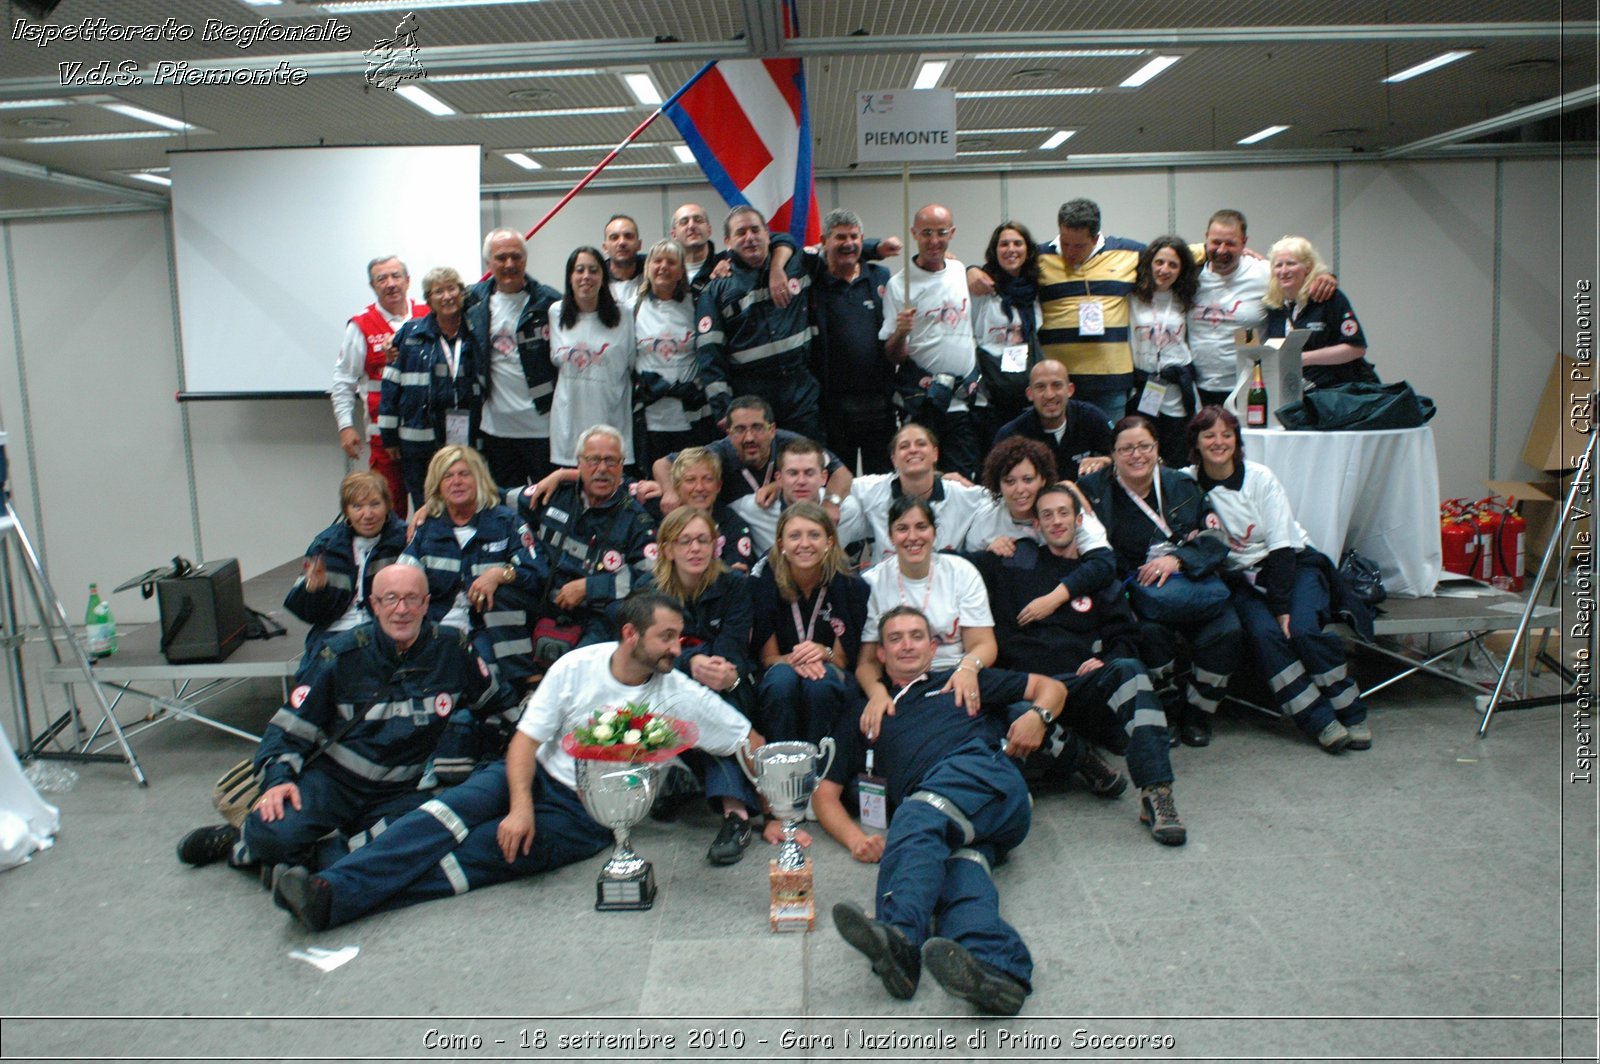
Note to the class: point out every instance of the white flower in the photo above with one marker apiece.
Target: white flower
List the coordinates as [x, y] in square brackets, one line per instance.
[608, 717]
[632, 735]
[602, 732]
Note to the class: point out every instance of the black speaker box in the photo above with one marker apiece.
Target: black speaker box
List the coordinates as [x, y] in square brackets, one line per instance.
[202, 612]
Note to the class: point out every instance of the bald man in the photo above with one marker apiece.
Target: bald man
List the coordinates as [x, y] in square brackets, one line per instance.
[376, 700]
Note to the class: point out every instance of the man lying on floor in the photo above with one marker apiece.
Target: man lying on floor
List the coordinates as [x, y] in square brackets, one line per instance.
[521, 816]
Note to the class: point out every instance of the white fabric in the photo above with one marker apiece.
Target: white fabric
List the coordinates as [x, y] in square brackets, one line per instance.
[626, 293]
[594, 385]
[955, 599]
[509, 411]
[941, 337]
[952, 514]
[763, 523]
[350, 369]
[357, 613]
[993, 329]
[664, 343]
[1375, 491]
[1257, 518]
[580, 684]
[27, 822]
[994, 521]
[1157, 339]
[1222, 306]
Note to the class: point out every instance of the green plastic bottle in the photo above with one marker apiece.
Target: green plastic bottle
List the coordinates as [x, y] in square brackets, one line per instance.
[100, 629]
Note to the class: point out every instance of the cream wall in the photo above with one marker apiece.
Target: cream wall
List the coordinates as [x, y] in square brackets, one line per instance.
[1460, 271]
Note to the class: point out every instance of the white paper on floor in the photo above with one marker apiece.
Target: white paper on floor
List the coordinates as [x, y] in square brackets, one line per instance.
[326, 959]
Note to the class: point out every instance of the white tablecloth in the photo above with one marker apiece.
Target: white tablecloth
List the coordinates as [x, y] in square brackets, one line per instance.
[27, 822]
[1375, 491]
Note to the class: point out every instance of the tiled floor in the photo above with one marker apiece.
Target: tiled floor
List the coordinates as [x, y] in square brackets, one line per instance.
[1401, 902]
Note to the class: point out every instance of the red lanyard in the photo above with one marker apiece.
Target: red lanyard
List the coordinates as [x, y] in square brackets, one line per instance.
[804, 634]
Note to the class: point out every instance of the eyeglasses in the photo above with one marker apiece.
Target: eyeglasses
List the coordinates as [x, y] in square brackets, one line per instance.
[693, 541]
[929, 234]
[1135, 448]
[391, 600]
[598, 461]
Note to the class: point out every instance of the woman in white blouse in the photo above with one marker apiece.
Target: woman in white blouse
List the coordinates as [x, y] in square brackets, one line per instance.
[667, 374]
[1165, 281]
[591, 346]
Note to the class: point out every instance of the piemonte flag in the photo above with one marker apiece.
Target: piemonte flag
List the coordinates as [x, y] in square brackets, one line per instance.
[749, 126]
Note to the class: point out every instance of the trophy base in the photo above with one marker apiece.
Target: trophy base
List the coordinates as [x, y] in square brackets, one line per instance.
[630, 894]
[793, 907]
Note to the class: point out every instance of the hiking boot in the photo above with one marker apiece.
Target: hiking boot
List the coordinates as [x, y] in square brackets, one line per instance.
[1158, 813]
[1102, 780]
[1335, 737]
[732, 839]
[1360, 736]
[309, 898]
[1195, 727]
[204, 846]
[894, 960]
[996, 993]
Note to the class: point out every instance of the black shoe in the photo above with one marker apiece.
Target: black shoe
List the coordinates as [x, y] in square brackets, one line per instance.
[307, 897]
[1195, 729]
[1102, 780]
[732, 839]
[894, 960]
[996, 993]
[204, 846]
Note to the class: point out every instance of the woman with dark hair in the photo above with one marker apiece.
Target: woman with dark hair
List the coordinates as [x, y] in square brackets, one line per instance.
[333, 592]
[668, 390]
[591, 346]
[807, 614]
[1281, 588]
[1165, 281]
[1156, 521]
[948, 591]
[1006, 324]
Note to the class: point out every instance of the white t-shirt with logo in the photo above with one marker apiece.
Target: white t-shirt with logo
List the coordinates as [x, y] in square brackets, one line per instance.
[664, 343]
[952, 596]
[594, 381]
[941, 337]
[1222, 306]
[509, 411]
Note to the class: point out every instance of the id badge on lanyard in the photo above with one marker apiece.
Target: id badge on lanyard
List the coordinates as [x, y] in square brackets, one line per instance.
[1091, 318]
[1014, 358]
[456, 424]
[872, 791]
[1154, 394]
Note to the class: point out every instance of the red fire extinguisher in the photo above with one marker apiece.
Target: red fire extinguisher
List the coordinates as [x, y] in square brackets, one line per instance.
[1505, 556]
[1458, 536]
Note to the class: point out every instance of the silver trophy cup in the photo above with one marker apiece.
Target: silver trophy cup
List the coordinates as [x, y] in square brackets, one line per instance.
[618, 794]
[786, 774]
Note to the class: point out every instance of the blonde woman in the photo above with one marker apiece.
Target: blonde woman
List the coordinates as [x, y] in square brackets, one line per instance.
[1336, 353]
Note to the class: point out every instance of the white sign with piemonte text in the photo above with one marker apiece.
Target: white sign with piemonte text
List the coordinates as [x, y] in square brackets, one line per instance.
[905, 126]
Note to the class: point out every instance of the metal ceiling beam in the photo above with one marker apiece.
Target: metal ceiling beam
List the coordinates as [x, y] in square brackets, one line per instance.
[1534, 111]
[37, 172]
[763, 22]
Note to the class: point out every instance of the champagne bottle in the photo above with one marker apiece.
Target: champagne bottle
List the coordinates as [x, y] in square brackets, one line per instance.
[1255, 402]
[100, 630]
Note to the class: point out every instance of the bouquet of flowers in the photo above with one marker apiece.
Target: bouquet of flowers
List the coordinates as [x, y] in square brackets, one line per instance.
[630, 733]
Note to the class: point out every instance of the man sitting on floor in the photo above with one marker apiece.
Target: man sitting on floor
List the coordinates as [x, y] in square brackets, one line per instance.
[353, 743]
[962, 805]
[523, 815]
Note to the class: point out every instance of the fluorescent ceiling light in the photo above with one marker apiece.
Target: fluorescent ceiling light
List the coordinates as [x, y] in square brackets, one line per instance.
[1056, 139]
[6, 105]
[929, 73]
[992, 151]
[553, 112]
[164, 121]
[426, 100]
[154, 179]
[1067, 53]
[643, 87]
[262, 3]
[356, 7]
[524, 161]
[68, 138]
[510, 75]
[1149, 70]
[683, 152]
[1007, 94]
[624, 166]
[1432, 64]
[1257, 137]
[991, 132]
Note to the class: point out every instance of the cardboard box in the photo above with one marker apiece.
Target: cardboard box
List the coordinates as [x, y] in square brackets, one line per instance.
[1565, 419]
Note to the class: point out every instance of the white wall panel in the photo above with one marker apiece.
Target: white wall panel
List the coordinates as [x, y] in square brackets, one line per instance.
[1531, 305]
[1133, 203]
[1276, 202]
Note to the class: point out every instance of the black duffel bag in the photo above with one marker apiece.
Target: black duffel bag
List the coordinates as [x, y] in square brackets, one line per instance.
[1357, 406]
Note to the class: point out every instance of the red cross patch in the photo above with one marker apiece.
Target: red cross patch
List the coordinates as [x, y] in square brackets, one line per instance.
[298, 695]
[794, 286]
[442, 703]
[1212, 521]
[1348, 326]
[1083, 603]
[611, 561]
[483, 668]
[746, 548]
[650, 551]
[837, 624]
[705, 323]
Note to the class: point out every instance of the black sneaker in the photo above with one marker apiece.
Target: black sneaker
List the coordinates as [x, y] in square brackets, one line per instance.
[732, 839]
[894, 960]
[1102, 780]
[996, 993]
[1159, 813]
[1194, 727]
[204, 846]
[308, 897]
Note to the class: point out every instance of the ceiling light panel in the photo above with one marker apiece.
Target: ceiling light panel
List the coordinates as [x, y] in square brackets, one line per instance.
[1261, 135]
[1443, 59]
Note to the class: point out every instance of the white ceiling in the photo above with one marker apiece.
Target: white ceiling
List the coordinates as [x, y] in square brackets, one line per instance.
[1314, 65]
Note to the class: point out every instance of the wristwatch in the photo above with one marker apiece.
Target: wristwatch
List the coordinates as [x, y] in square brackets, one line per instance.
[833, 497]
[1044, 715]
[509, 573]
